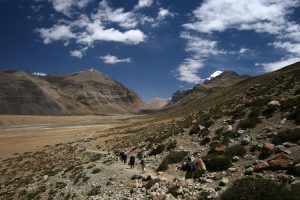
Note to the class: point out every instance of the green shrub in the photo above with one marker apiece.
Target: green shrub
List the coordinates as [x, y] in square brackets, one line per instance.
[217, 162]
[173, 190]
[249, 123]
[172, 145]
[295, 115]
[259, 189]
[256, 112]
[287, 136]
[96, 170]
[94, 191]
[195, 130]
[236, 150]
[163, 166]
[159, 149]
[150, 183]
[268, 112]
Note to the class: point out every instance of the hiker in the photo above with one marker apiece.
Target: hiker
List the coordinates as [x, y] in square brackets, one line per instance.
[143, 164]
[132, 161]
[190, 168]
[122, 156]
[125, 157]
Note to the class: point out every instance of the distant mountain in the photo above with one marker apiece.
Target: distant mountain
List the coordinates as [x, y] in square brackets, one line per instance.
[224, 79]
[156, 103]
[86, 92]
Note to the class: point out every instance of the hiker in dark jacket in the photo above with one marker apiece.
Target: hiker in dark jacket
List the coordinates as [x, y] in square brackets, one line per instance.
[132, 161]
[190, 168]
[122, 156]
[125, 158]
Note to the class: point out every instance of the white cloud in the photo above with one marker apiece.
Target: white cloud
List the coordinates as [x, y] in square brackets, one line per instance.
[261, 16]
[269, 67]
[79, 53]
[219, 15]
[200, 49]
[56, 32]
[123, 19]
[66, 6]
[164, 13]
[110, 59]
[143, 4]
[243, 50]
[214, 75]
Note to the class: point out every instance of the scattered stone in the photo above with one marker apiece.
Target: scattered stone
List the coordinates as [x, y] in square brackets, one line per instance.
[232, 169]
[249, 171]
[246, 140]
[224, 181]
[235, 158]
[241, 131]
[268, 147]
[274, 103]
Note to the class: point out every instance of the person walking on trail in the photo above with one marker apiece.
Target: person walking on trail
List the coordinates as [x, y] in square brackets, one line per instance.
[122, 156]
[190, 168]
[143, 164]
[132, 161]
[125, 158]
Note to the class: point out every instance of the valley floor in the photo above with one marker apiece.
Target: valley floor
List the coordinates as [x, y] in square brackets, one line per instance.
[20, 134]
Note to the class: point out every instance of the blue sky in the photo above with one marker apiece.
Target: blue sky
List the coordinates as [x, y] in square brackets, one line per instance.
[154, 47]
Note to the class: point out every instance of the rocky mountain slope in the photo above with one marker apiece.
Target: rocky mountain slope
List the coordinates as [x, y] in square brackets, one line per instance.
[225, 79]
[156, 103]
[87, 92]
[244, 141]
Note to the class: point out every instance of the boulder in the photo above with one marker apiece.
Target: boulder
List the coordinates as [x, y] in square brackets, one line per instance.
[220, 149]
[268, 147]
[224, 181]
[246, 140]
[274, 103]
[280, 164]
[261, 166]
[296, 169]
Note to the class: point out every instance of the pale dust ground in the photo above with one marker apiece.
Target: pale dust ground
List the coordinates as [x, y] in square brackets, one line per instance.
[19, 134]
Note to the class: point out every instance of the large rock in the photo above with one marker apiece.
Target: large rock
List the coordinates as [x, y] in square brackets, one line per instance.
[280, 164]
[261, 166]
[220, 149]
[274, 103]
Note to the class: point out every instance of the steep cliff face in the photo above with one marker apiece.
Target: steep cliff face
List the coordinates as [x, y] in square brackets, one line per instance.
[87, 92]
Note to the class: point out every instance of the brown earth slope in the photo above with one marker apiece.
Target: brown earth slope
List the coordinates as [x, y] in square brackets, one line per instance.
[87, 92]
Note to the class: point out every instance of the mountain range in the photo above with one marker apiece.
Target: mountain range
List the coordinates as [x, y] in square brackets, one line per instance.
[85, 92]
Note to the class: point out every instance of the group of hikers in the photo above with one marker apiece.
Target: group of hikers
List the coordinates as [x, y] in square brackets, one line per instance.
[132, 160]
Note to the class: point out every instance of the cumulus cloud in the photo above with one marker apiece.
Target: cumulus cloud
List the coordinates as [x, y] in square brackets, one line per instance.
[143, 4]
[110, 59]
[66, 6]
[79, 53]
[164, 13]
[200, 49]
[260, 16]
[242, 51]
[56, 32]
[103, 24]
[119, 16]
